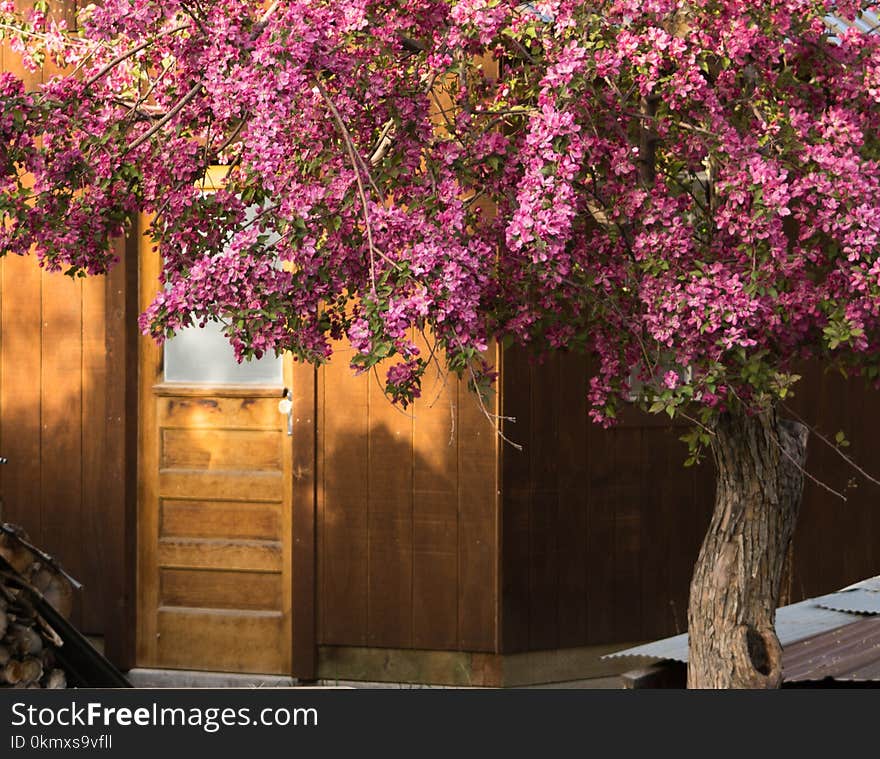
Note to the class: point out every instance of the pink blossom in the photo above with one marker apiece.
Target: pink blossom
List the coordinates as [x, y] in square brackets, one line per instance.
[566, 175]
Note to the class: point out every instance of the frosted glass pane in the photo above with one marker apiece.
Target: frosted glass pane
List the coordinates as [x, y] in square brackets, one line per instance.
[203, 355]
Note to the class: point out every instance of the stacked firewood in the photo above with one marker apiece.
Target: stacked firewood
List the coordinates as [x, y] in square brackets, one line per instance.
[28, 643]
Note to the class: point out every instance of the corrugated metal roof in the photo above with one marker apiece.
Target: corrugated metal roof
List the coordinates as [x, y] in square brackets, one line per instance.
[675, 648]
[872, 583]
[850, 653]
[793, 623]
[855, 601]
[868, 22]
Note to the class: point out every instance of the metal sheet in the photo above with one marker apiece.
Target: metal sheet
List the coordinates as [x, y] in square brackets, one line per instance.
[868, 22]
[793, 623]
[849, 653]
[675, 648]
[856, 601]
[872, 583]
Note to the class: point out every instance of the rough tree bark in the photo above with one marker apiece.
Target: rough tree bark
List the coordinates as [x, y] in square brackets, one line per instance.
[735, 587]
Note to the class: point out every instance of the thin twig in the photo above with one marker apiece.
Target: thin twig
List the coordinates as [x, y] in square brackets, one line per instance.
[352, 154]
[195, 18]
[375, 373]
[347, 138]
[521, 49]
[441, 372]
[231, 138]
[803, 471]
[706, 429]
[269, 11]
[831, 445]
[360, 185]
[494, 419]
[451, 423]
[79, 66]
[385, 141]
[146, 95]
[38, 35]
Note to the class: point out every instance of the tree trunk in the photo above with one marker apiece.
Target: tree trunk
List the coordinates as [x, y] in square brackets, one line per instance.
[736, 583]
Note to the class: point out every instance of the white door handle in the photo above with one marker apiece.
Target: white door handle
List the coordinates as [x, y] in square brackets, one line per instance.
[285, 406]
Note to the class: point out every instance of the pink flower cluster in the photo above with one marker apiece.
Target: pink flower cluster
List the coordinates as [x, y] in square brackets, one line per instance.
[688, 189]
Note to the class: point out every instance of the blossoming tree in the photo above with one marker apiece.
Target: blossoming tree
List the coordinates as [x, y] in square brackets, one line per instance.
[687, 189]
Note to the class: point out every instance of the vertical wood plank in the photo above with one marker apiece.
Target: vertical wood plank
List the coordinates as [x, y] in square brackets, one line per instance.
[479, 530]
[342, 501]
[573, 478]
[830, 403]
[20, 394]
[662, 469]
[96, 561]
[847, 403]
[810, 538]
[295, 484]
[516, 487]
[544, 507]
[61, 403]
[390, 461]
[322, 595]
[628, 496]
[600, 543]
[435, 511]
[304, 658]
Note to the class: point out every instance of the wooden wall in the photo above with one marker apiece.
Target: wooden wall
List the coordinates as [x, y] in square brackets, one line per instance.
[60, 429]
[407, 516]
[601, 527]
[837, 543]
[66, 351]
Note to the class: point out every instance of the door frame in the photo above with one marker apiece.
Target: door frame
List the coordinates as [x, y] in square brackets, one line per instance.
[142, 267]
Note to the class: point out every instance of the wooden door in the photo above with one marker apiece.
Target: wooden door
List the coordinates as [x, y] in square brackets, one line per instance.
[214, 512]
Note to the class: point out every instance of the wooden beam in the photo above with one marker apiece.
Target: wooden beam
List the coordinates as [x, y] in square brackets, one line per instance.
[119, 507]
[304, 637]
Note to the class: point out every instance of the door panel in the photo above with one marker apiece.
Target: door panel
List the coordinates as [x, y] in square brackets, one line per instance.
[245, 641]
[224, 449]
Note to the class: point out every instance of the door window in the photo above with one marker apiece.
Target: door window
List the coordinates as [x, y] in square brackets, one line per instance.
[203, 355]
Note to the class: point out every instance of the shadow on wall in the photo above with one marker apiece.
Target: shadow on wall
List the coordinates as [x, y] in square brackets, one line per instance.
[54, 369]
[406, 530]
[601, 528]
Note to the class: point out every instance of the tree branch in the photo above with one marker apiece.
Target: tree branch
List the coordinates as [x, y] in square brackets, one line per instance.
[129, 53]
[357, 173]
[803, 471]
[831, 445]
[166, 118]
